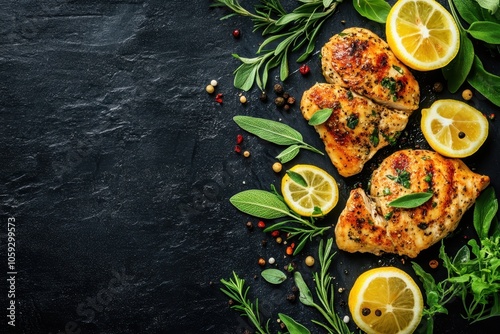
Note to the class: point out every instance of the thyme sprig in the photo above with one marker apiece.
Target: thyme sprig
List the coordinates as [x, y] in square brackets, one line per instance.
[286, 32]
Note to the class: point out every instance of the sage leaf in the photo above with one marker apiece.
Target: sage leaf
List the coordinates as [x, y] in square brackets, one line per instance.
[490, 5]
[260, 203]
[273, 276]
[288, 153]
[297, 178]
[485, 210]
[244, 76]
[410, 201]
[293, 326]
[375, 10]
[305, 295]
[320, 116]
[272, 131]
[484, 82]
[485, 31]
[458, 69]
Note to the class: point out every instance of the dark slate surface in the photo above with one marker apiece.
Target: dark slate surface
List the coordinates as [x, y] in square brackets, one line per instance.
[116, 169]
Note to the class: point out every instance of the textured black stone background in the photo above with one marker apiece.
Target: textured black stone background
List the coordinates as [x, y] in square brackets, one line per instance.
[117, 168]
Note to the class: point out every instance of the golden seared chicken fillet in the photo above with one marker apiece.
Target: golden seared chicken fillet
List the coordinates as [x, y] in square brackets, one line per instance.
[357, 127]
[370, 224]
[362, 61]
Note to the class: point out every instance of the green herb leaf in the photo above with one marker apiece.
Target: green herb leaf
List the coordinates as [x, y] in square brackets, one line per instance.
[469, 10]
[485, 210]
[320, 116]
[490, 5]
[352, 121]
[297, 178]
[411, 201]
[293, 326]
[488, 32]
[272, 131]
[375, 10]
[458, 69]
[288, 153]
[273, 276]
[305, 295]
[260, 203]
[484, 82]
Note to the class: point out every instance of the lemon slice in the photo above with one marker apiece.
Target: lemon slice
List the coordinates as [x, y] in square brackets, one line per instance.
[386, 300]
[454, 128]
[316, 197]
[422, 34]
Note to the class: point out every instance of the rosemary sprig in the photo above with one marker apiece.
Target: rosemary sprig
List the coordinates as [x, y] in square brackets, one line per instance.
[236, 290]
[287, 33]
[324, 291]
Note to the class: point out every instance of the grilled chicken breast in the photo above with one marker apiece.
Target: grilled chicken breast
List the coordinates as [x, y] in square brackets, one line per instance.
[357, 127]
[362, 61]
[370, 224]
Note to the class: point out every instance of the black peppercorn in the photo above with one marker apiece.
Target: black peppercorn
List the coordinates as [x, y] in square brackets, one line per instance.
[278, 89]
[279, 101]
[263, 97]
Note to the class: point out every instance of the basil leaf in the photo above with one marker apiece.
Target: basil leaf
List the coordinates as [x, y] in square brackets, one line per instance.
[288, 153]
[484, 82]
[411, 201]
[293, 326]
[305, 295]
[297, 178]
[468, 10]
[320, 116]
[375, 10]
[485, 210]
[273, 276]
[490, 5]
[488, 32]
[260, 203]
[272, 131]
[458, 69]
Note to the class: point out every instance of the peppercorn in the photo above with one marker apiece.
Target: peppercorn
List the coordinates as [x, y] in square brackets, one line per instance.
[261, 224]
[286, 95]
[291, 297]
[286, 107]
[237, 149]
[277, 167]
[289, 250]
[309, 261]
[275, 233]
[236, 33]
[290, 100]
[243, 99]
[249, 225]
[278, 89]
[261, 262]
[218, 98]
[210, 89]
[279, 240]
[461, 135]
[214, 83]
[433, 264]
[279, 101]
[239, 139]
[263, 243]
[304, 69]
[437, 87]
[271, 260]
[263, 97]
[467, 94]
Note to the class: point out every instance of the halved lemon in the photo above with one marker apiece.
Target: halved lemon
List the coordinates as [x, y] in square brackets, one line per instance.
[453, 128]
[315, 196]
[422, 34]
[386, 300]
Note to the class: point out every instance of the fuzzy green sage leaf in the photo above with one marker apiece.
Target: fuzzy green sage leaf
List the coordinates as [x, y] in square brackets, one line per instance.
[305, 295]
[273, 276]
[293, 326]
[297, 178]
[375, 10]
[260, 203]
[411, 201]
[271, 131]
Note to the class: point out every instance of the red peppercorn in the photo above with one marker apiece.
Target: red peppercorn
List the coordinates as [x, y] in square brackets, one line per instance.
[236, 33]
[218, 98]
[275, 234]
[292, 245]
[237, 149]
[239, 139]
[261, 224]
[304, 69]
[289, 250]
